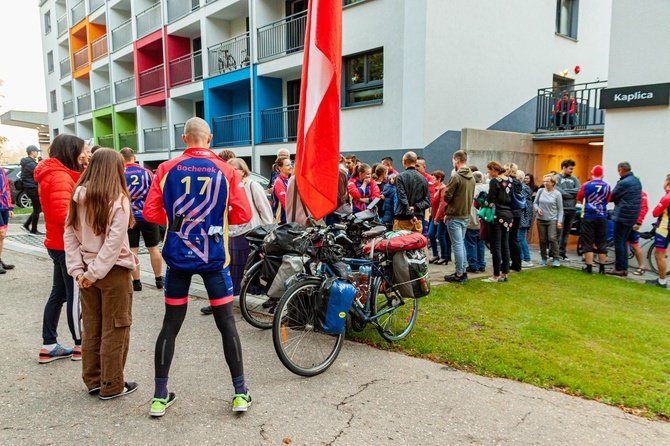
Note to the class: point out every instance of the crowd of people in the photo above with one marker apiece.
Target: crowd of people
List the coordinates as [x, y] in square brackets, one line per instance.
[101, 202]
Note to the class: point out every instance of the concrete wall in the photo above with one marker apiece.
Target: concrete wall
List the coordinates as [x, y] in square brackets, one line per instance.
[639, 55]
[484, 146]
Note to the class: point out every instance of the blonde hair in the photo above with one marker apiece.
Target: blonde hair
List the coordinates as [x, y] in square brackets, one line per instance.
[551, 177]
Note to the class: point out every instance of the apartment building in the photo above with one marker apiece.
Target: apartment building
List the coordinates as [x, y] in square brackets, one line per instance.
[416, 73]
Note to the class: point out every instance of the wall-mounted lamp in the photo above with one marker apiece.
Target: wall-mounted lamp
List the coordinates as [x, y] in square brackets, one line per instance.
[596, 143]
[565, 72]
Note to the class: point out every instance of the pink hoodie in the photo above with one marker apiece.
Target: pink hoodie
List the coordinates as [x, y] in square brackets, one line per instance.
[95, 255]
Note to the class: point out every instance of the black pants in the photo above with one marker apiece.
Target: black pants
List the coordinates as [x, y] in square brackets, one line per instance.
[63, 291]
[498, 234]
[564, 233]
[34, 218]
[514, 249]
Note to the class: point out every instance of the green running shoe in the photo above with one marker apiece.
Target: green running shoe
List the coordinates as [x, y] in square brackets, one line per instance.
[241, 402]
[158, 405]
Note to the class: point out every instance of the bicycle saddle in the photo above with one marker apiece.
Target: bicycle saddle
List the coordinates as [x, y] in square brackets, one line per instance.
[374, 232]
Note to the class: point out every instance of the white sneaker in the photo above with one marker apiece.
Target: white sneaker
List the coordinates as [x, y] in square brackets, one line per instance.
[525, 264]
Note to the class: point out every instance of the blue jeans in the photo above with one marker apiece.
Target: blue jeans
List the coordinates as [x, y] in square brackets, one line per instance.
[621, 233]
[475, 249]
[457, 228]
[523, 244]
[437, 233]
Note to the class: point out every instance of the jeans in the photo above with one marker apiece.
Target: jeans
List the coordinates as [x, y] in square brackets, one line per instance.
[546, 231]
[63, 291]
[621, 233]
[437, 233]
[499, 241]
[475, 249]
[514, 248]
[563, 234]
[523, 244]
[33, 220]
[457, 228]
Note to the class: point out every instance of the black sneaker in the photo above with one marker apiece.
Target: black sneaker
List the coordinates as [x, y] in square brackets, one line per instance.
[25, 228]
[6, 266]
[453, 278]
[159, 282]
[130, 387]
[94, 390]
[137, 285]
[470, 269]
[481, 270]
[656, 283]
[270, 303]
[36, 233]
[206, 310]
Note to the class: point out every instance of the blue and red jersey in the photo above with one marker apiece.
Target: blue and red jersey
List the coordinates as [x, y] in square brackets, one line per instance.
[279, 198]
[661, 214]
[5, 192]
[138, 180]
[596, 194]
[197, 196]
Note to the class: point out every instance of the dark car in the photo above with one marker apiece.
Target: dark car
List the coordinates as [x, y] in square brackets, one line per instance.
[19, 198]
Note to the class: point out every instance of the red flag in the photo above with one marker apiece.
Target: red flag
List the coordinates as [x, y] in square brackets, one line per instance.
[318, 148]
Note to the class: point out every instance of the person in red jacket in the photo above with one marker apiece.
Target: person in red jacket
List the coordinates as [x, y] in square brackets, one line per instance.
[56, 177]
[634, 237]
[662, 214]
[362, 188]
[564, 113]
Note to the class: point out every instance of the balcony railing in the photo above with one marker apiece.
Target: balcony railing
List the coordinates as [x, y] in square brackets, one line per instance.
[84, 103]
[68, 109]
[106, 141]
[94, 4]
[587, 114]
[156, 139]
[152, 80]
[122, 35]
[61, 25]
[65, 68]
[128, 139]
[232, 130]
[283, 36]
[102, 97]
[78, 12]
[279, 124]
[81, 58]
[179, 8]
[229, 55]
[149, 20]
[186, 69]
[99, 47]
[125, 89]
[179, 143]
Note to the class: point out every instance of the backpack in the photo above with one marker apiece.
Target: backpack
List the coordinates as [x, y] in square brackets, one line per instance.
[18, 184]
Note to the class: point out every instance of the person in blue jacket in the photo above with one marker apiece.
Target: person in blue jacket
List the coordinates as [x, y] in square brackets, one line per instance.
[388, 194]
[627, 197]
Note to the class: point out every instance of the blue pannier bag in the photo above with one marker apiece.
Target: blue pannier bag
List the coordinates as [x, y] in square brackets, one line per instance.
[335, 296]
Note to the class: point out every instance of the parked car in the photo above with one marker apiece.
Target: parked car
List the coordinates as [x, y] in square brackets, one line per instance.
[19, 198]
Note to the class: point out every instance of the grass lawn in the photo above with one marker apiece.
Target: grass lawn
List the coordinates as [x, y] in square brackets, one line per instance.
[18, 210]
[597, 337]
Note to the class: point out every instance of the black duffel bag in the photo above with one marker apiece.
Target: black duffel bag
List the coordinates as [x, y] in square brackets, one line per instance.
[256, 236]
[282, 240]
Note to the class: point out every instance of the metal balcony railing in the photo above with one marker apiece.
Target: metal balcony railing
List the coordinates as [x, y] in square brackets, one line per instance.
[279, 124]
[587, 101]
[106, 141]
[179, 144]
[282, 37]
[81, 58]
[125, 89]
[232, 130]
[122, 35]
[186, 69]
[102, 97]
[84, 103]
[229, 55]
[68, 109]
[99, 48]
[152, 80]
[65, 68]
[177, 9]
[128, 139]
[78, 12]
[61, 25]
[156, 139]
[207, 2]
[148, 20]
[94, 4]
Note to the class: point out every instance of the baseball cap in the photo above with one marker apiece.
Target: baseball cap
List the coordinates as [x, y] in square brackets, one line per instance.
[31, 149]
[597, 171]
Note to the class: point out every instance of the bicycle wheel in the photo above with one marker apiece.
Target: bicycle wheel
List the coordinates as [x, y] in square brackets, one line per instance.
[256, 307]
[580, 249]
[297, 336]
[651, 257]
[611, 256]
[397, 323]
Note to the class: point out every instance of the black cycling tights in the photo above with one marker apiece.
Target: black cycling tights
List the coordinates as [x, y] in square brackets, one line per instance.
[225, 322]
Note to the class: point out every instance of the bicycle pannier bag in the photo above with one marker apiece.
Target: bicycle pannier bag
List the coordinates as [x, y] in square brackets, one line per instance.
[257, 235]
[269, 270]
[410, 273]
[290, 266]
[333, 303]
[283, 240]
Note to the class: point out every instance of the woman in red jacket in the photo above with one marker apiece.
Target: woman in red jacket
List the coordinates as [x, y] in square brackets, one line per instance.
[362, 188]
[56, 177]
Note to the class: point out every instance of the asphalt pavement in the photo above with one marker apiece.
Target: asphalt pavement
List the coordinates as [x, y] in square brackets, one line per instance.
[368, 397]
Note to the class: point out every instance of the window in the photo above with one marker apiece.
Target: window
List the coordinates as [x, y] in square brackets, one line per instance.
[364, 81]
[54, 104]
[47, 22]
[55, 132]
[566, 17]
[350, 2]
[50, 62]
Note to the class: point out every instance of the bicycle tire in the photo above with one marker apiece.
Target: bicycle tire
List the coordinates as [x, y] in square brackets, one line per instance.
[230, 62]
[398, 323]
[652, 259]
[610, 259]
[580, 249]
[251, 305]
[299, 343]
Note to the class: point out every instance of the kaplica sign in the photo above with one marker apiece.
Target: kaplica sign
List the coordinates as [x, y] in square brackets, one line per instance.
[637, 96]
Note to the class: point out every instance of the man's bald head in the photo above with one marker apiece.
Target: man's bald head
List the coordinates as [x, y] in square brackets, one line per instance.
[197, 133]
[409, 159]
[283, 152]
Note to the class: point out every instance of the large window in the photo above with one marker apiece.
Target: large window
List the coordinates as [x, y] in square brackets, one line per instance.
[364, 82]
[47, 22]
[50, 62]
[52, 97]
[566, 17]
[350, 2]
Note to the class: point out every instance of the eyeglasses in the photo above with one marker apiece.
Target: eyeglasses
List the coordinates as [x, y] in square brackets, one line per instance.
[548, 181]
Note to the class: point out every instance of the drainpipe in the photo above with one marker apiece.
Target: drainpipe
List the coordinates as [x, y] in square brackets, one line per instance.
[165, 78]
[252, 80]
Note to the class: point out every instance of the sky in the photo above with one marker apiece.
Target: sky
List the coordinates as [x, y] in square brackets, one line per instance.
[21, 66]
